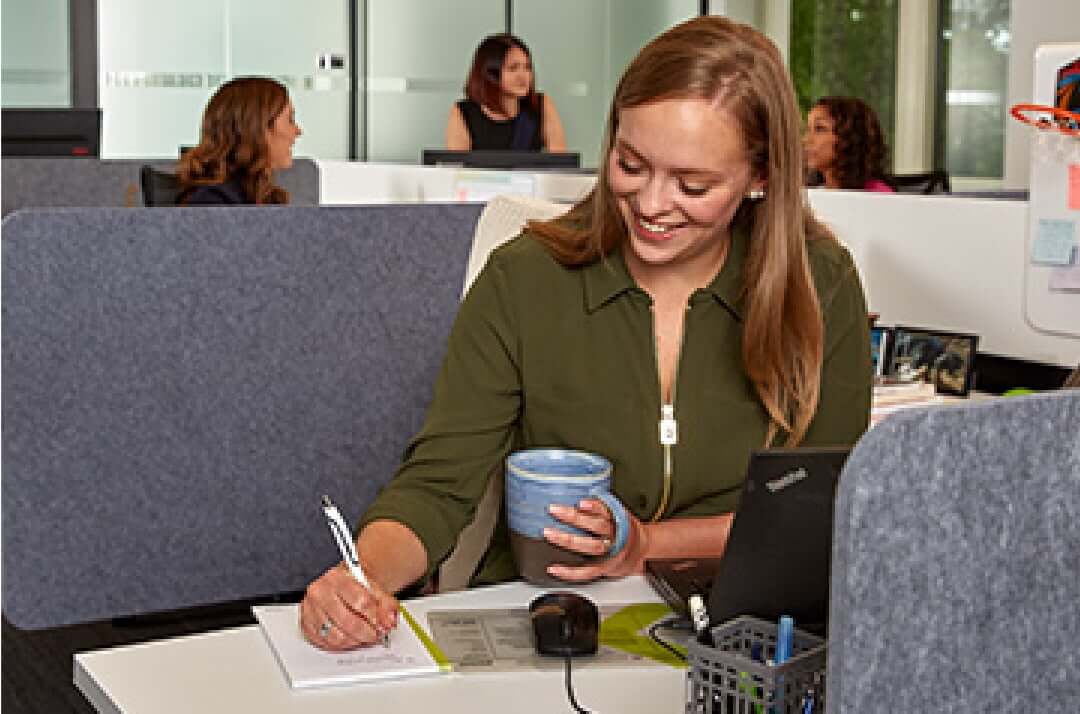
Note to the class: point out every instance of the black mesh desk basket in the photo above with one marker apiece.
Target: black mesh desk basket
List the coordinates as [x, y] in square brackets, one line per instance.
[726, 679]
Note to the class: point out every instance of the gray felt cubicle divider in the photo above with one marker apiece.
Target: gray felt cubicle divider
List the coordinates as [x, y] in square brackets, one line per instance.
[956, 561]
[79, 182]
[180, 386]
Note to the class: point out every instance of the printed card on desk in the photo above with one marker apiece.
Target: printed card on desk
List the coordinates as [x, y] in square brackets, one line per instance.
[411, 652]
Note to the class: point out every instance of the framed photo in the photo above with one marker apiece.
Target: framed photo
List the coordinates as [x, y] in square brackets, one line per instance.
[879, 349]
[945, 359]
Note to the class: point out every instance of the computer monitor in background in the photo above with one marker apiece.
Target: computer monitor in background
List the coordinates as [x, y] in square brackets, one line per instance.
[530, 160]
[51, 132]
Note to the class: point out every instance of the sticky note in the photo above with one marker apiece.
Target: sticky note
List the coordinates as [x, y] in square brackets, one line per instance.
[1074, 187]
[1066, 278]
[1054, 242]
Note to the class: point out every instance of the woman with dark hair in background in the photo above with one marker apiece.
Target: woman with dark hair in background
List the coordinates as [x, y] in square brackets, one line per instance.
[502, 109]
[845, 146]
[248, 131]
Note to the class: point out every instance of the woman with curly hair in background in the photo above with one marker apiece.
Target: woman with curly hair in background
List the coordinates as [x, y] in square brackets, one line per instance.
[845, 146]
[248, 131]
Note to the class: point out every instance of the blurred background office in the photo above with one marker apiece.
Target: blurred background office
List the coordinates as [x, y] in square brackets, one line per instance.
[372, 78]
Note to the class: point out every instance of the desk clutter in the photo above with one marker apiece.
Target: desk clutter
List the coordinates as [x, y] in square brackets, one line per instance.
[756, 666]
[462, 641]
[906, 355]
[501, 640]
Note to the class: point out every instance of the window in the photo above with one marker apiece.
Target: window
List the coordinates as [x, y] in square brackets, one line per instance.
[973, 51]
[846, 47]
[36, 50]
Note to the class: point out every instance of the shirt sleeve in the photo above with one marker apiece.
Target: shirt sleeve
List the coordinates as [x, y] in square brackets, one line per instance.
[470, 425]
[843, 411]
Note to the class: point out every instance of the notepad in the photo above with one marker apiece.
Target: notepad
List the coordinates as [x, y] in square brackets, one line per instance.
[411, 653]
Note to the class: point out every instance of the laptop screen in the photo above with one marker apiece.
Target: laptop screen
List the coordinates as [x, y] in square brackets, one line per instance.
[779, 549]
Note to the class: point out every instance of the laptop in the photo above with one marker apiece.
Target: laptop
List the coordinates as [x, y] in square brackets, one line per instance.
[779, 549]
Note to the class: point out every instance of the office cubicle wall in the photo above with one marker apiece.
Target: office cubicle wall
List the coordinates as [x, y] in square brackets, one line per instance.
[946, 262]
[63, 182]
[956, 561]
[359, 183]
[182, 386]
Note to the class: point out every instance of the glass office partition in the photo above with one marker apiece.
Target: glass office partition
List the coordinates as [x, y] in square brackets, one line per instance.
[581, 49]
[634, 22]
[305, 46]
[159, 62]
[973, 72]
[418, 56]
[36, 49]
[570, 42]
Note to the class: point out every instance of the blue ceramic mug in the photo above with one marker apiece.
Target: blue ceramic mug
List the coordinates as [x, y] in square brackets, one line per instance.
[538, 478]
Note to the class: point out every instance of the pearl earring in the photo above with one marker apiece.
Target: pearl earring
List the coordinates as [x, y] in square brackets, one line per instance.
[755, 194]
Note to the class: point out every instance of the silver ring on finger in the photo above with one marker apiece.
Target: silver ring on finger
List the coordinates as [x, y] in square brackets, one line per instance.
[607, 545]
[325, 628]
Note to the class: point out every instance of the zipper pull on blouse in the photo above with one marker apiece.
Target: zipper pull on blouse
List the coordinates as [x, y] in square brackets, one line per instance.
[669, 428]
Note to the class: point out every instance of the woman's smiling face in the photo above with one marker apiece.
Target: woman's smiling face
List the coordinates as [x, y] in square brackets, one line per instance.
[679, 169]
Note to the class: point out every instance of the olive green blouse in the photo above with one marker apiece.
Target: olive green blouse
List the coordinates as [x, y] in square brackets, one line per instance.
[545, 355]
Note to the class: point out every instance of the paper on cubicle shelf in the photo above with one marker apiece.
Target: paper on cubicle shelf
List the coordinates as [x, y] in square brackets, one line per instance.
[482, 186]
[411, 652]
[1066, 279]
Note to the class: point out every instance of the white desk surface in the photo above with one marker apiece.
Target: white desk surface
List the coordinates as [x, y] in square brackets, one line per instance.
[234, 670]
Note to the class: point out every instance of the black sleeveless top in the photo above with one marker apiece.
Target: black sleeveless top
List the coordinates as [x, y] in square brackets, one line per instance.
[489, 134]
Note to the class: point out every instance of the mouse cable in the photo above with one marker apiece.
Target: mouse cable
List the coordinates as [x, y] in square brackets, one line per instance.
[570, 690]
[674, 623]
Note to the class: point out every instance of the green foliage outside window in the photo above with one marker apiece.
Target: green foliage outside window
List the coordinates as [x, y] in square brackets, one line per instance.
[846, 47]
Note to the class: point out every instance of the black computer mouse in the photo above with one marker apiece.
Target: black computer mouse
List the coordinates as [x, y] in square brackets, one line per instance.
[565, 623]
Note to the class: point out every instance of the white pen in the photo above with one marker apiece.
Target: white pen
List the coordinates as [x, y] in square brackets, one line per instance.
[345, 545]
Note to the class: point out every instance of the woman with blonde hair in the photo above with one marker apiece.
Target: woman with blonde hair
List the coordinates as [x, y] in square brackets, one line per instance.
[692, 287]
[248, 131]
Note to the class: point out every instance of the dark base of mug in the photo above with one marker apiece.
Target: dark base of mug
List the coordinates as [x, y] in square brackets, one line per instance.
[534, 555]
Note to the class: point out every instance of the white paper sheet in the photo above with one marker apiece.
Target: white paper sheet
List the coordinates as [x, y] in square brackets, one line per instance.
[306, 666]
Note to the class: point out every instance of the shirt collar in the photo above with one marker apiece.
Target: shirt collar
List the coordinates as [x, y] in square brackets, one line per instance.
[608, 278]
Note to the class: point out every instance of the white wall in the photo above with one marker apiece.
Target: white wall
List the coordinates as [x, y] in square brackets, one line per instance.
[948, 262]
[1032, 24]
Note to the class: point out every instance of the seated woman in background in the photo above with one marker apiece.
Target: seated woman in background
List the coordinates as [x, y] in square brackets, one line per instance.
[248, 131]
[845, 146]
[502, 109]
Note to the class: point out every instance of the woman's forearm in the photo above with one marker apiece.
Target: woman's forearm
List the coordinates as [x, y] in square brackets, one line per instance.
[703, 537]
[392, 555]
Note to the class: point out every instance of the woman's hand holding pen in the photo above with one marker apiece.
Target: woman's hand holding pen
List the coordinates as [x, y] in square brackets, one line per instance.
[338, 613]
[592, 516]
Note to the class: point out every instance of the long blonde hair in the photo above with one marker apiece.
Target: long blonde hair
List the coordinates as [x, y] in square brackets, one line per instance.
[717, 59]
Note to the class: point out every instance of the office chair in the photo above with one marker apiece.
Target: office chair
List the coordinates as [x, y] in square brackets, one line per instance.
[502, 219]
[158, 187]
[927, 183]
